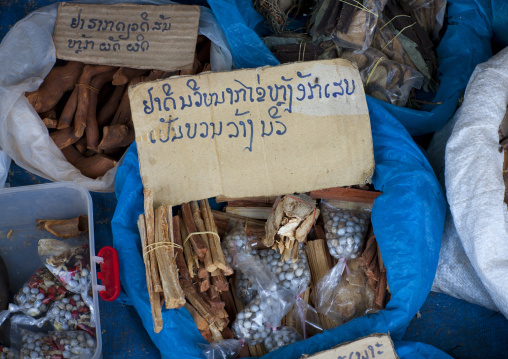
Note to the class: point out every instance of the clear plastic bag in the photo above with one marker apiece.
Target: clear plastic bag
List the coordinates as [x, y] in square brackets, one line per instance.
[245, 290]
[344, 297]
[345, 230]
[250, 324]
[70, 313]
[428, 13]
[281, 337]
[290, 275]
[361, 29]
[222, 349]
[36, 296]
[8, 353]
[71, 265]
[235, 242]
[385, 79]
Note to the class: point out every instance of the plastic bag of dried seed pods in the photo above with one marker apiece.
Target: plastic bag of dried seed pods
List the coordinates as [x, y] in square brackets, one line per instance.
[222, 349]
[345, 230]
[385, 79]
[356, 24]
[325, 291]
[71, 266]
[281, 337]
[36, 295]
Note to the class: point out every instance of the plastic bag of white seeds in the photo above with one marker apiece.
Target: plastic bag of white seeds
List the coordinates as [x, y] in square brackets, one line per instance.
[281, 337]
[222, 349]
[245, 290]
[36, 295]
[235, 242]
[8, 353]
[345, 230]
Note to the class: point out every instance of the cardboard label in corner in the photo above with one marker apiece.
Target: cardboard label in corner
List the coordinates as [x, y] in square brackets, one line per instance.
[265, 131]
[378, 346]
[140, 36]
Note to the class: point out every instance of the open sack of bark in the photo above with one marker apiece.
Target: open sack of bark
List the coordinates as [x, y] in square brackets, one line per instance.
[472, 264]
[46, 132]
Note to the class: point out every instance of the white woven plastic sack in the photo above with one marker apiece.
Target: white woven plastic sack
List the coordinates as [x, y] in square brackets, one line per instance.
[474, 180]
[5, 163]
[27, 54]
[455, 275]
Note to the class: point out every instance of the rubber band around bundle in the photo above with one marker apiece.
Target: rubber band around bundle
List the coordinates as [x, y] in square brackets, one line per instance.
[204, 232]
[360, 6]
[400, 32]
[374, 69]
[158, 245]
[89, 87]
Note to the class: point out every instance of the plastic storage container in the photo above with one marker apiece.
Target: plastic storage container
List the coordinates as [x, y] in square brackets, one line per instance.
[19, 208]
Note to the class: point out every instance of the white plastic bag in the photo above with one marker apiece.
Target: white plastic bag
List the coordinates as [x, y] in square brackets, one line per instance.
[27, 54]
[5, 163]
[474, 179]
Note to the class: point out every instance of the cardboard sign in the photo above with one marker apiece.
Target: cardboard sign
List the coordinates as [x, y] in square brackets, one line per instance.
[266, 131]
[375, 346]
[140, 36]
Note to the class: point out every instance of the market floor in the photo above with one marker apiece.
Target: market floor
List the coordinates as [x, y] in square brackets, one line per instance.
[463, 330]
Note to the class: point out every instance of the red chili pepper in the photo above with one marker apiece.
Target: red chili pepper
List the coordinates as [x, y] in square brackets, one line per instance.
[72, 302]
[41, 290]
[87, 329]
[75, 314]
[52, 289]
[62, 290]
[51, 296]
[46, 300]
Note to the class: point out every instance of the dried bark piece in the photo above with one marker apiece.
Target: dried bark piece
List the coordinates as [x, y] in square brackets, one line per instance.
[113, 137]
[150, 236]
[50, 122]
[92, 167]
[124, 74]
[92, 127]
[89, 71]
[59, 80]
[65, 228]
[64, 138]
[67, 115]
[200, 225]
[197, 242]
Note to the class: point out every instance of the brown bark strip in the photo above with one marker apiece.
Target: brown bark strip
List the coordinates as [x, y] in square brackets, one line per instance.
[50, 122]
[92, 127]
[92, 167]
[113, 136]
[124, 74]
[173, 293]
[200, 322]
[382, 267]
[67, 115]
[66, 228]
[198, 221]
[379, 297]
[186, 282]
[89, 71]
[346, 194]
[202, 307]
[58, 81]
[109, 109]
[155, 304]
[369, 252]
[214, 242]
[64, 138]
[150, 236]
[190, 256]
[196, 241]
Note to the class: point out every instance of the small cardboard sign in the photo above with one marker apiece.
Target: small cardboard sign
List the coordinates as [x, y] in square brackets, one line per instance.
[257, 132]
[140, 36]
[375, 346]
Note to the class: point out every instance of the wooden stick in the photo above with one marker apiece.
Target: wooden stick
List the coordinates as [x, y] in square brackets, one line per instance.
[200, 225]
[191, 257]
[196, 241]
[216, 335]
[346, 194]
[179, 260]
[319, 263]
[200, 322]
[215, 248]
[173, 293]
[202, 307]
[150, 236]
[155, 304]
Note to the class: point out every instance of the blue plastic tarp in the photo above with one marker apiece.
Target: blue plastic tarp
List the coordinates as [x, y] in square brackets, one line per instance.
[465, 44]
